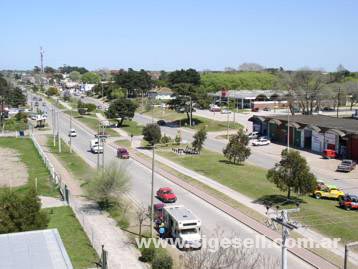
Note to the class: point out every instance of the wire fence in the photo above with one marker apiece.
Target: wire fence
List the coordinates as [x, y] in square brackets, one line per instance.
[84, 210]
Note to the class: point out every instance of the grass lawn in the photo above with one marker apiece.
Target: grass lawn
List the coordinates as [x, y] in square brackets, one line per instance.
[132, 127]
[76, 242]
[123, 143]
[181, 120]
[35, 166]
[321, 215]
[74, 163]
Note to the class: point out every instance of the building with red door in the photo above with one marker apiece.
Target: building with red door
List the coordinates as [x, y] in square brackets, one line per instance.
[311, 132]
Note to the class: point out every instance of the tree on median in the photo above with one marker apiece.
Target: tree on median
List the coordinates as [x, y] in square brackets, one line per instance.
[237, 150]
[108, 185]
[121, 109]
[152, 133]
[292, 173]
[199, 139]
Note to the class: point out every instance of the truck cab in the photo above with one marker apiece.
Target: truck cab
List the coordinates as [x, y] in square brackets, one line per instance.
[182, 224]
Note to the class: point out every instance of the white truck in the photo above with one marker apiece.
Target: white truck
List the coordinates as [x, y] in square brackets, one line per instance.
[182, 224]
[96, 146]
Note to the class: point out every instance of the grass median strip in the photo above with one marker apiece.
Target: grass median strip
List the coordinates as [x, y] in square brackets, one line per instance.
[37, 171]
[76, 242]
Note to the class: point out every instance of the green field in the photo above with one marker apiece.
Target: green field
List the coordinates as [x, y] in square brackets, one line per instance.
[239, 80]
[181, 120]
[322, 215]
[132, 127]
[76, 242]
[123, 143]
[35, 166]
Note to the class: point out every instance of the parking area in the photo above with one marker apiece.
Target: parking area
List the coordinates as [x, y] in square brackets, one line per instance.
[323, 168]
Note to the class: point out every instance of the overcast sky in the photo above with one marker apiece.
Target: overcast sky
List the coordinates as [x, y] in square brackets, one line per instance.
[168, 34]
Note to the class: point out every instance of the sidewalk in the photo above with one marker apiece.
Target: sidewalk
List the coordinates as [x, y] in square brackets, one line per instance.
[99, 227]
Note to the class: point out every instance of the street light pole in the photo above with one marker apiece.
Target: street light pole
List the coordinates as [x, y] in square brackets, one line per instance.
[152, 195]
[288, 129]
[98, 141]
[70, 130]
[103, 148]
[58, 132]
[53, 126]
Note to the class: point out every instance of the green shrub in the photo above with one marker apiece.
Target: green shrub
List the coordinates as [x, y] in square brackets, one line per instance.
[162, 260]
[147, 253]
[165, 139]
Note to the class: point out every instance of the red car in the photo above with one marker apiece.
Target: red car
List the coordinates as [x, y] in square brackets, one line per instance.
[122, 153]
[349, 201]
[166, 195]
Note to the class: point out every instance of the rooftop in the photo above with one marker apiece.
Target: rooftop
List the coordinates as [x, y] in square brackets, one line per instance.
[41, 249]
[321, 121]
[180, 213]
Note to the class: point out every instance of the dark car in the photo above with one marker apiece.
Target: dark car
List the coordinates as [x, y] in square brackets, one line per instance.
[166, 195]
[326, 108]
[161, 123]
[349, 201]
[122, 153]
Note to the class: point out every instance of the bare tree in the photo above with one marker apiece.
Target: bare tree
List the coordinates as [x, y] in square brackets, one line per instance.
[142, 215]
[351, 88]
[237, 257]
[304, 88]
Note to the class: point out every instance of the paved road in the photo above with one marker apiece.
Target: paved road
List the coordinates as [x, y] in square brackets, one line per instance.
[211, 217]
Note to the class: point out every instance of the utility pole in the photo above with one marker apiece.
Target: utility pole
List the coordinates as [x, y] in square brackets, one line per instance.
[288, 129]
[338, 100]
[58, 132]
[227, 131]
[286, 228]
[42, 59]
[70, 130]
[191, 111]
[53, 126]
[102, 89]
[98, 146]
[346, 249]
[152, 195]
[103, 141]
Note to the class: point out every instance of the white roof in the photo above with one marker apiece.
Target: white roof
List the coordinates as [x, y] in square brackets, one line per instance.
[41, 249]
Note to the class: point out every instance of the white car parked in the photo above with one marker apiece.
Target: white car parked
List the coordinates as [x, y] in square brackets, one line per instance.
[261, 142]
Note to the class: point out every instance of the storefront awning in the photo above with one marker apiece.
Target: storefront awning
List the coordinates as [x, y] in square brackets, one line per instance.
[313, 128]
[337, 132]
[256, 118]
[274, 121]
[293, 124]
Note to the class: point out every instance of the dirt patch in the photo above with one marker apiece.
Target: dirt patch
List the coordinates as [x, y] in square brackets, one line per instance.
[12, 170]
